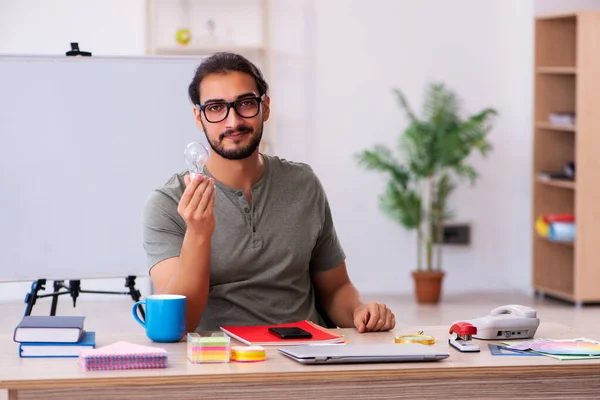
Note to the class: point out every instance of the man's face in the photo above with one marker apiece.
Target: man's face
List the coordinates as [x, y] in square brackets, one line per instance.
[237, 136]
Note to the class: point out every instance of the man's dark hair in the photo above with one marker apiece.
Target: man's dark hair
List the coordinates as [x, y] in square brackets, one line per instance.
[221, 63]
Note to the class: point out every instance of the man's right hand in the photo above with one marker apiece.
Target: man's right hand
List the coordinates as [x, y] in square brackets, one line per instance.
[196, 206]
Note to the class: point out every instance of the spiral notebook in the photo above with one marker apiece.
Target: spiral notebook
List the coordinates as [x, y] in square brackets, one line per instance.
[123, 355]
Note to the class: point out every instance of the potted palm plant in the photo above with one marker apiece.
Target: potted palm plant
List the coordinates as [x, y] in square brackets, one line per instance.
[436, 148]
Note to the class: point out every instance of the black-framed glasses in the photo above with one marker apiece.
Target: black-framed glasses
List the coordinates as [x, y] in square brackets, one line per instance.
[247, 107]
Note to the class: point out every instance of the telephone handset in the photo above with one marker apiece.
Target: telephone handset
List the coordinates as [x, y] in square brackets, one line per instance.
[512, 321]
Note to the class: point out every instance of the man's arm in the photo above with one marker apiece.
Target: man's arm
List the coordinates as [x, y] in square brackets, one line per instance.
[189, 273]
[344, 305]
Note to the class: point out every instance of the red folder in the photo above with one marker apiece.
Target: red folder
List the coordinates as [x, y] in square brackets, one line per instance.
[260, 335]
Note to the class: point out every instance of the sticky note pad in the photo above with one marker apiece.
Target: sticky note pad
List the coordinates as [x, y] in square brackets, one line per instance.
[214, 348]
[248, 353]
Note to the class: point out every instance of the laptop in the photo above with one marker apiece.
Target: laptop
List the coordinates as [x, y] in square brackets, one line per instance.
[362, 353]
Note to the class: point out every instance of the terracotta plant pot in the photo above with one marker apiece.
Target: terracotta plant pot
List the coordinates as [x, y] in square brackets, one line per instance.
[428, 286]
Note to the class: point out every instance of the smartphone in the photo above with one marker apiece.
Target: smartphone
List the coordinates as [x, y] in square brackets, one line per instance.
[291, 333]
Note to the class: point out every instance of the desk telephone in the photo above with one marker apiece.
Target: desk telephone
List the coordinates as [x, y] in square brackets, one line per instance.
[507, 322]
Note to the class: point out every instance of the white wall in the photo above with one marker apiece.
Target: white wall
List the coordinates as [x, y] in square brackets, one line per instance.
[332, 68]
[483, 50]
[289, 80]
[48, 27]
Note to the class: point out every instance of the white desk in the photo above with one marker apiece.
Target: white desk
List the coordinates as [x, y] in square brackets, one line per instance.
[461, 376]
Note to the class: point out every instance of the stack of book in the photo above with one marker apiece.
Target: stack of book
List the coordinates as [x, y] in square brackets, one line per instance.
[52, 336]
[556, 227]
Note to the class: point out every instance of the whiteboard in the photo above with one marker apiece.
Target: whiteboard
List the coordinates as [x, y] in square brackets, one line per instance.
[84, 141]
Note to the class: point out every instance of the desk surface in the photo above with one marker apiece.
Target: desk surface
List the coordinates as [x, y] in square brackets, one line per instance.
[33, 374]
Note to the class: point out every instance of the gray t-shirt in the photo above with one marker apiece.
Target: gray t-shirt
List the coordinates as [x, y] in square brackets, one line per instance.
[261, 256]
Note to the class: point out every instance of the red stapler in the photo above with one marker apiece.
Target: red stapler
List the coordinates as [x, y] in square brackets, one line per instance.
[461, 337]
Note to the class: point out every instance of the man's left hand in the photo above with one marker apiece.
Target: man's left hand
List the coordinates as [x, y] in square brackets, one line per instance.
[374, 317]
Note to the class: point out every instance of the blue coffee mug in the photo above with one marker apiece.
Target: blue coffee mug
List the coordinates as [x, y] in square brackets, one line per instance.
[165, 317]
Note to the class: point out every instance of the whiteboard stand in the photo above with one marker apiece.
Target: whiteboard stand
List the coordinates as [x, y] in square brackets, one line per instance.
[74, 289]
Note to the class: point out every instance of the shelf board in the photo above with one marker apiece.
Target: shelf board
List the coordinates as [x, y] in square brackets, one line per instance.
[556, 16]
[555, 292]
[555, 127]
[205, 50]
[557, 70]
[568, 244]
[557, 183]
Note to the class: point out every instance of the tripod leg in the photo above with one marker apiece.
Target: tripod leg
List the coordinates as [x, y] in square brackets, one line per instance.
[57, 285]
[75, 288]
[135, 294]
[31, 297]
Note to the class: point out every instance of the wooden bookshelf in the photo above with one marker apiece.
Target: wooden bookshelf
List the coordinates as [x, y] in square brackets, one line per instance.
[567, 78]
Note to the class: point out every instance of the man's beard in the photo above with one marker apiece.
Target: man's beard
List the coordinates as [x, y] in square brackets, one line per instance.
[241, 152]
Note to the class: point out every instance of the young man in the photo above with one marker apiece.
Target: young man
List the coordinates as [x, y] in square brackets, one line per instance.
[252, 240]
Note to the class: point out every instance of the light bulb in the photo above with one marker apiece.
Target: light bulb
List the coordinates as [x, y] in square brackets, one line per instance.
[196, 155]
